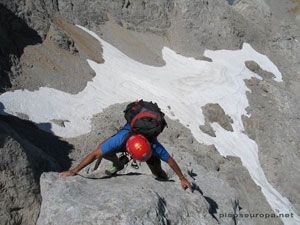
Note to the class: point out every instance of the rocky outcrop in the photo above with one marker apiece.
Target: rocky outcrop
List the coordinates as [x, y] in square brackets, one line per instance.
[15, 35]
[213, 113]
[36, 14]
[274, 125]
[26, 152]
[126, 199]
[135, 15]
[21, 164]
[202, 164]
[222, 186]
[135, 197]
[61, 58]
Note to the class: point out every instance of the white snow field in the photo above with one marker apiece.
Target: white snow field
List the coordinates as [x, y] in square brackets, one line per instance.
[184, 84]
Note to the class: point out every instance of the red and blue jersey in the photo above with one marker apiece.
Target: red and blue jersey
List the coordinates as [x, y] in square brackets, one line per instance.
[116, 141]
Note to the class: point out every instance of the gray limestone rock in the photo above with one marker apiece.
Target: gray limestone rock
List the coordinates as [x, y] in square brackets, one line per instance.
[255, 68]
[135, 197]
[200, 25]
[127, 199]
[275, 126]
[188, 27]
[65, 42]
[133, 14]
[60, 122]
[36, 14]
[61, 60]
[213, 113]
[142, 47]
[15, 34]
[206, 128]
[21, 165]
[200, 162]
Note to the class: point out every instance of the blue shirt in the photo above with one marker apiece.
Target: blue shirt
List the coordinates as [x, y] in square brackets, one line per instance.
[116, 141]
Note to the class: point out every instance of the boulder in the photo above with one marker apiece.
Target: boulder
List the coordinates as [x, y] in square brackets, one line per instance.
[21, 165]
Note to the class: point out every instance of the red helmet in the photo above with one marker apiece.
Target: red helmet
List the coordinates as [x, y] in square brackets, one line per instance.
[139, 147]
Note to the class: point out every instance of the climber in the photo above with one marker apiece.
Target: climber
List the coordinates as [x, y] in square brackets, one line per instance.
[138, 138]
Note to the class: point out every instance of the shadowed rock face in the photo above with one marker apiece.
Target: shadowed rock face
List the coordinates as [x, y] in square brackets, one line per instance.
[60, 61]
[15, 34]
[20, 202]
[21, 164]
[26, 152]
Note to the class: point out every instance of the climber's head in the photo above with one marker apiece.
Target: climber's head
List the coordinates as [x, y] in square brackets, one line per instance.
[139, 147]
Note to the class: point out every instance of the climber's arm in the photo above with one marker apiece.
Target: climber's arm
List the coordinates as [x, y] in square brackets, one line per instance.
[163, 154]
[184, 182]
[87, 160]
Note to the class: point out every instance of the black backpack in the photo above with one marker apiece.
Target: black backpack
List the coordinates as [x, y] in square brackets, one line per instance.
[145, 118]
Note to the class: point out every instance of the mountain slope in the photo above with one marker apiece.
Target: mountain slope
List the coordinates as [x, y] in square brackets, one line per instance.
[141, 29]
